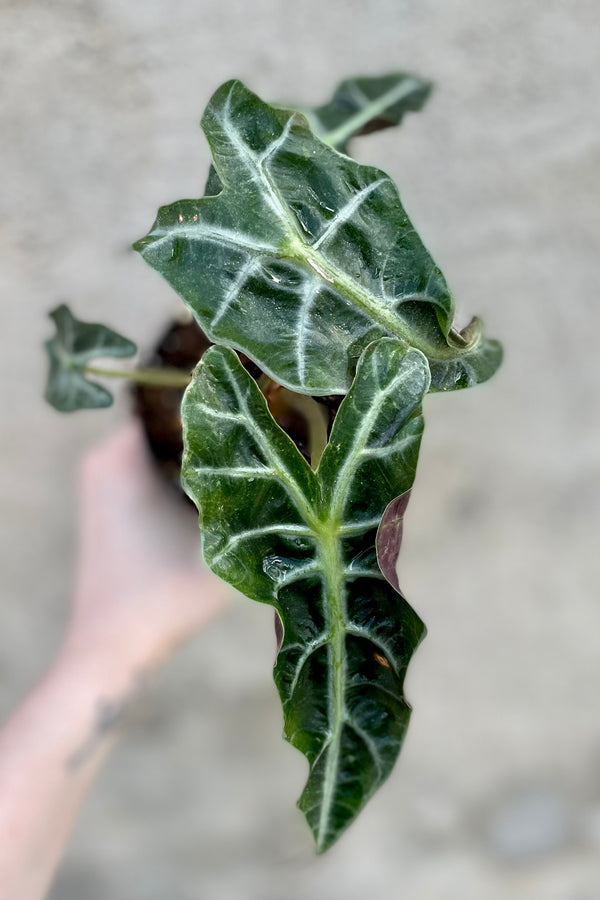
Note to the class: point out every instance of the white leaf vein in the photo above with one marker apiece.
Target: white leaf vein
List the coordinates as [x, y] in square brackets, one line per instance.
[246, 271]
[250, 533]
[346, 212]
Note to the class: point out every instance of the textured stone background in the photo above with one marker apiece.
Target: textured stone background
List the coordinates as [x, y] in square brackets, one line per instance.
[497, 793]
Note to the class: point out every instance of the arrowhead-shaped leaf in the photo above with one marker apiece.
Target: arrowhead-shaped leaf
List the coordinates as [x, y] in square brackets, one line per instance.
[306, 256]
[364, 105]
[73, 346]
[304, 542]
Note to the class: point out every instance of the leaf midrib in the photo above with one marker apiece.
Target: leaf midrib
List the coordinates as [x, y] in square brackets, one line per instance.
[371, 110]
[330, 557]
[299, 251]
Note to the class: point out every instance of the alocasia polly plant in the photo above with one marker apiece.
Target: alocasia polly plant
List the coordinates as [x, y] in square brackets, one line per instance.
[305, 262]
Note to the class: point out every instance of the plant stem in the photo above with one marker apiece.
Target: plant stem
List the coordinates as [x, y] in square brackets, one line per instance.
[157, 378]
[315, 417]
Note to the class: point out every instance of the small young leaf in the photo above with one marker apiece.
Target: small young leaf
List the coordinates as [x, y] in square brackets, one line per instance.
[304, 542]
[70, 350]
[305, 257]
[364, 105]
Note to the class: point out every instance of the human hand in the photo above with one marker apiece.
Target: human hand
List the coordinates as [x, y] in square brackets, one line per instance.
[141, 587]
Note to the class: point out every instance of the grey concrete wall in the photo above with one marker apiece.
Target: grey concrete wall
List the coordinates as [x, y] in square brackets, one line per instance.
[497, 792]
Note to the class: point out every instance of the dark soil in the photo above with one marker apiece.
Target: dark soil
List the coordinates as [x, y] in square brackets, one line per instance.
[180, 347]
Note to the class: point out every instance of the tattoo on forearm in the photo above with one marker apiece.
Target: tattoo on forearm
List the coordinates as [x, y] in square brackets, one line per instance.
[110, 715]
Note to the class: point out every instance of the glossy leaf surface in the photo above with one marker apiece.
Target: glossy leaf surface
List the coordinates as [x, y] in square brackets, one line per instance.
[364, 105]
[304, 541]
[306, 256]
[71, 349]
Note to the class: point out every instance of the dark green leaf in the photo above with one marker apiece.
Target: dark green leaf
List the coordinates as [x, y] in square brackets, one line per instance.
[363, 105]
[304, 542]
[306, 257]
[71, 349]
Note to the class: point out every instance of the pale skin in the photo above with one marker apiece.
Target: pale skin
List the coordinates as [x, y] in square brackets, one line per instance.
[140, 591]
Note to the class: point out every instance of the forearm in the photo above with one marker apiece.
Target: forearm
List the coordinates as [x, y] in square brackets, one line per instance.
[141, 591]
[50, 753]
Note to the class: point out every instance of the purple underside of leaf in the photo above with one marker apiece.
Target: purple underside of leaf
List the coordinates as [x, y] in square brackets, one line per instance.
[278, 633]
[389, 538]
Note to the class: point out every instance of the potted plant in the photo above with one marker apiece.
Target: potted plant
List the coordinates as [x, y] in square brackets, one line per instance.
[326, 322]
